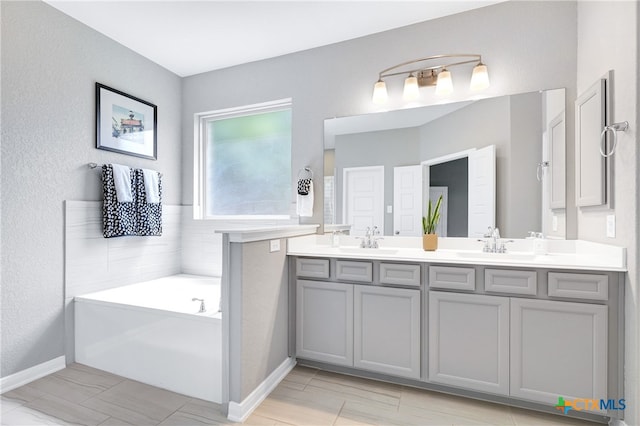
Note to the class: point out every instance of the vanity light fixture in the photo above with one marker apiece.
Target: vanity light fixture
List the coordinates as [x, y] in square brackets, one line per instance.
[431, 71]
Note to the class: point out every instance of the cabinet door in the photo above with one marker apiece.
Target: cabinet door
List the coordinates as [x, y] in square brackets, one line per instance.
[324, 321]
[558, 349]
[387, 330]
[469, 341]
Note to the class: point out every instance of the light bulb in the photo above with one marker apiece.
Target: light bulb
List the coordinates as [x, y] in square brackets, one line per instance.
[444, 86]
[479, 78]
[380, 92]
[411, 90]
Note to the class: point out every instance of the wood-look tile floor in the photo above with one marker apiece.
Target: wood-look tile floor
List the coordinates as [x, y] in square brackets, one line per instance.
[81, 395]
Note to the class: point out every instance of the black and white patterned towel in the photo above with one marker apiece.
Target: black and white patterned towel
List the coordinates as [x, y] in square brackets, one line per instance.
[137, 217]
[303, 186]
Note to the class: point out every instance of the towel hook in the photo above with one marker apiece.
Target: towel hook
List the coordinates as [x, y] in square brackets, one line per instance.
[305, 173]
[614, 129]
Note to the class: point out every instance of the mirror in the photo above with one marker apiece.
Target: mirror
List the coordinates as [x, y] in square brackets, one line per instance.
[378, 166]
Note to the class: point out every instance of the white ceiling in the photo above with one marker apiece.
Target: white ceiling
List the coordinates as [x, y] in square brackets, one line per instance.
[190, 37]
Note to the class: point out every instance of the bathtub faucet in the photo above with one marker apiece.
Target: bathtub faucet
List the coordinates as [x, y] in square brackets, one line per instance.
[202, 308]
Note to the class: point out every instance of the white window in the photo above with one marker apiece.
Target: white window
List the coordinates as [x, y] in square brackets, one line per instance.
[243, 162]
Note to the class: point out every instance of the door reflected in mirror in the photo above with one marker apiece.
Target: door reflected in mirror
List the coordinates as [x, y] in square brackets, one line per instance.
[381, 169]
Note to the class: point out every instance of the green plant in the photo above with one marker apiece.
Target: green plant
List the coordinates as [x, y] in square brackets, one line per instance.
[430, 222]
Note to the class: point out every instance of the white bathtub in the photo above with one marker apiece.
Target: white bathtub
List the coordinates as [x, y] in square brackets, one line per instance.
[152, 332]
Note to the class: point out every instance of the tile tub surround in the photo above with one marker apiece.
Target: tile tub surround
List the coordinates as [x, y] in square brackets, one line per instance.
[565, 254]
[83, 395]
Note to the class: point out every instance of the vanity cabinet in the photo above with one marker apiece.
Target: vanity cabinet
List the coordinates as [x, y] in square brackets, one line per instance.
[324, 321]
[558, 349]
[387, 330]
[350, 319]
[469, 341]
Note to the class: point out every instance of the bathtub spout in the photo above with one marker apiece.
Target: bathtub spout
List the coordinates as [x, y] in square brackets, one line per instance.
[202, 308]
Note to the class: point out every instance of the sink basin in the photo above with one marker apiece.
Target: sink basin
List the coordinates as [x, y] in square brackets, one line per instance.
[371, 251]
[496, 256]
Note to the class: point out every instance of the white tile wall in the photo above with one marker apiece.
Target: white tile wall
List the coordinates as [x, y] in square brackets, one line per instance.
[94, 263]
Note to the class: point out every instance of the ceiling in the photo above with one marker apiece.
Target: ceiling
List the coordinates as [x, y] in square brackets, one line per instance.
[191, 37]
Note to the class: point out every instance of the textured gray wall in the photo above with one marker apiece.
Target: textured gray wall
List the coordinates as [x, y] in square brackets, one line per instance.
[50, 64]
[608, 39]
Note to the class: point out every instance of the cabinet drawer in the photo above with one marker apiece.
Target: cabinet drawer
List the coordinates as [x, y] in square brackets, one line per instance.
[453, 278]
[401, 274]
[312, 268]
[579, 286]
[508, 281]
[354, 271]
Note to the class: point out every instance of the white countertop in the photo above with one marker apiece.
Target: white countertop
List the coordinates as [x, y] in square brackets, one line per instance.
[561, 254]
[245, 234]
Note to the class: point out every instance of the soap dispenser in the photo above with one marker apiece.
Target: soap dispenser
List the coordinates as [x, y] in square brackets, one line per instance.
[335, 239]
[540, 245]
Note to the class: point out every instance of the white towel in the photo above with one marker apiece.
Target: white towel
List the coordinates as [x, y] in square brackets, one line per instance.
[122, 181]
[151, 185]
[304, 203]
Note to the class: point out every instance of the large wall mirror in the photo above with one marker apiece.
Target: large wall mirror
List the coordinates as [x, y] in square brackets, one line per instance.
[496, 162]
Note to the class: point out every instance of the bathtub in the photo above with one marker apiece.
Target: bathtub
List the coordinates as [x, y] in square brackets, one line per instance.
[152, 332]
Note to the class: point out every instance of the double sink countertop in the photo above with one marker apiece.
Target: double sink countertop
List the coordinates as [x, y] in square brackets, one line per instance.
[559, 254]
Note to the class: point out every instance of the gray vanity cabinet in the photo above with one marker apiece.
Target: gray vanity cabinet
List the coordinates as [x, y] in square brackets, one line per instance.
[345, 316]
[387, 330]
[558, 349]
[324, 321]
[469, 341]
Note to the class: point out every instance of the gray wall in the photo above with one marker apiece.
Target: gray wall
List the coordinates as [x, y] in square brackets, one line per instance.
[337, 80]
[608, 34]
[50, 64]
[259, 315]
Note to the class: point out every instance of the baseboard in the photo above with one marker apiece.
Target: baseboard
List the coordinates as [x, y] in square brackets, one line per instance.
[238, 412]
[30, 374]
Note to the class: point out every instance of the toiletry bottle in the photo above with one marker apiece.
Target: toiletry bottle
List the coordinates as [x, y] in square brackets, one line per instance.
[335, 239]
[539, 244]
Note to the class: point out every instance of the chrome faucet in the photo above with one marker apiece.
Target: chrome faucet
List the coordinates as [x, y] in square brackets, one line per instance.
[370, 239]
[202, 307]
[493, 243]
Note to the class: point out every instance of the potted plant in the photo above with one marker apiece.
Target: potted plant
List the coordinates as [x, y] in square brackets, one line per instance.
[429, 223]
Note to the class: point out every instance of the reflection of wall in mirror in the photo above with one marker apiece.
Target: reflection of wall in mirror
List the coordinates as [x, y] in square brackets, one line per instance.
[554, 221]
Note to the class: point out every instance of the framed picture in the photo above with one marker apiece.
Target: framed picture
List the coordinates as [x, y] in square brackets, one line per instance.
[125, 124]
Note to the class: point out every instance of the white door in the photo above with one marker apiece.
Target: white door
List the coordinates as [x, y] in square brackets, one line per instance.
[558, 349]
[436, 192]
[363, 199]
[482, 190]
[387, 330]
[407, 201]
[324, 321]
[469, 341]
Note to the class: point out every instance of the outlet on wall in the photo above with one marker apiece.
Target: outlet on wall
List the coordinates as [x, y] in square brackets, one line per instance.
[611, 226]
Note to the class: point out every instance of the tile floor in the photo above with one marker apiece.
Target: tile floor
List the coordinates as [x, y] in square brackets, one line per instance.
[82, 395]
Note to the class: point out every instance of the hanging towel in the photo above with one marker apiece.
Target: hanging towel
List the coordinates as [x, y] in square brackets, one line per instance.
[151, 185]
[303, 186]
[122, 179]
[149, 213]
[119, 217]
[304, 203]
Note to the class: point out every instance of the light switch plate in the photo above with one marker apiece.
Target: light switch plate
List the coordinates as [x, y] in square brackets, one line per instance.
[389, 209]
[611, 226]
[274, 245]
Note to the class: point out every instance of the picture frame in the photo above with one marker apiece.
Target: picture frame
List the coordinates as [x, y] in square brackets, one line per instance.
[125, 124]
